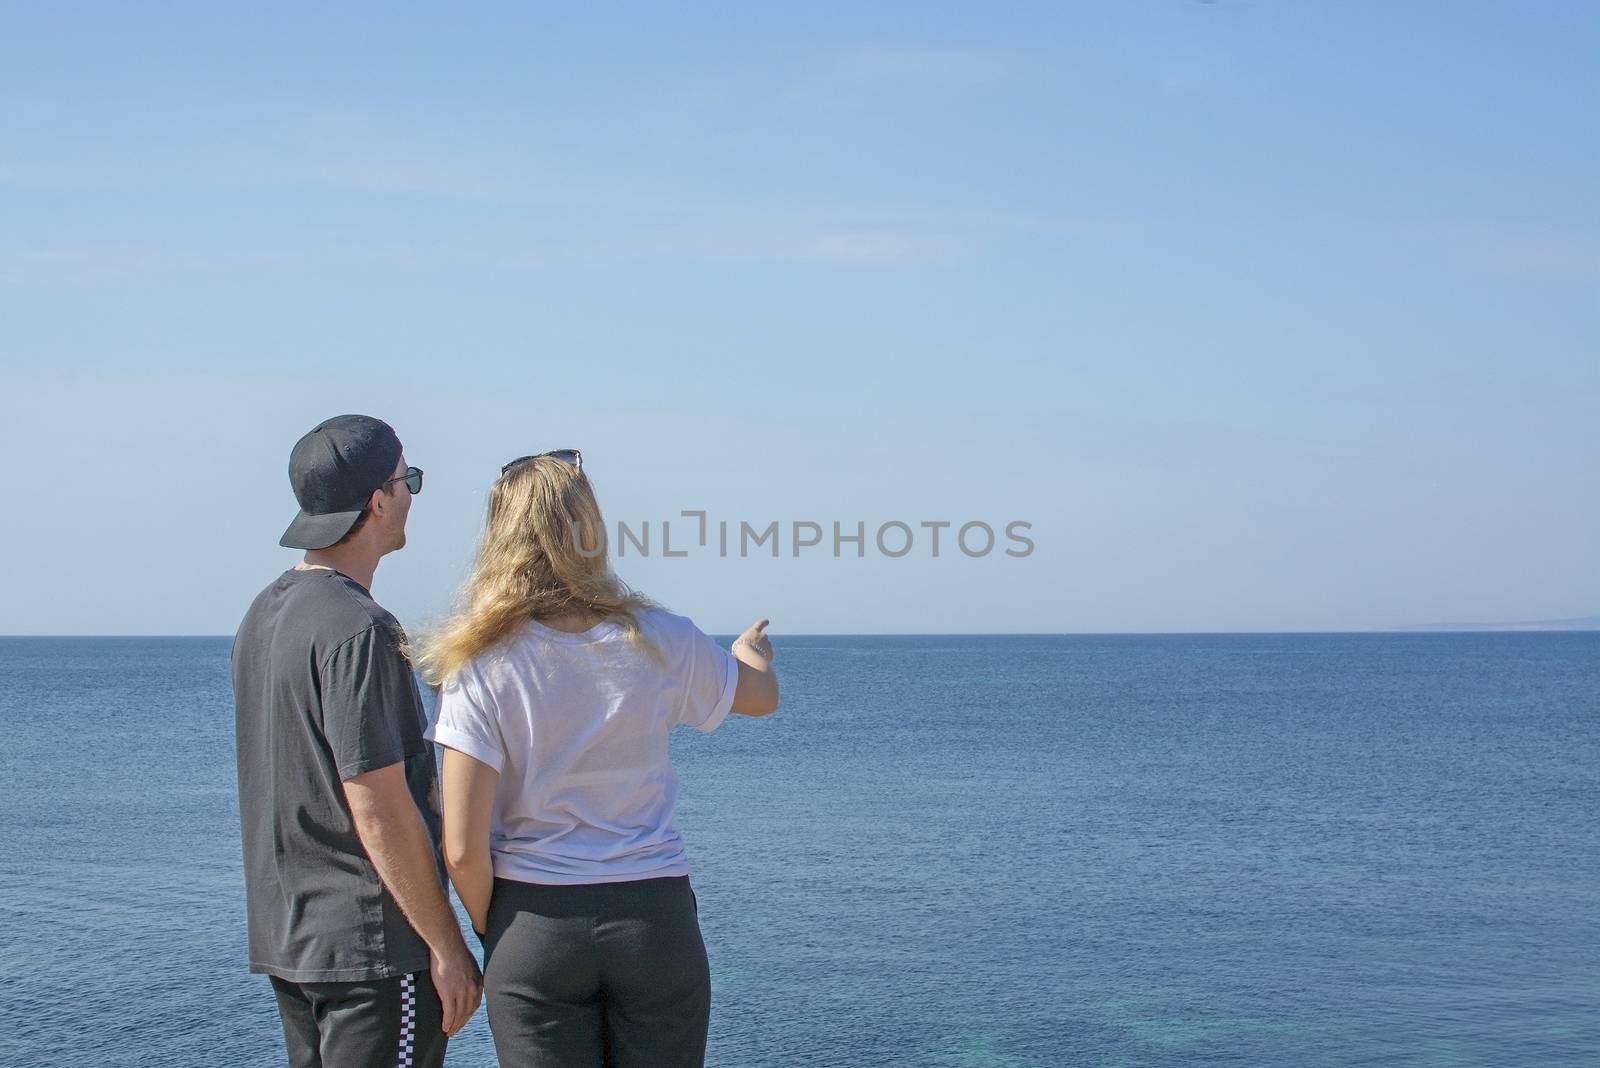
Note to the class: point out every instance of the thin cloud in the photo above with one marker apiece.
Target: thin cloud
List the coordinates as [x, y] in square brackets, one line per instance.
[546, 216]
[1552, 255]
[881, 248]
[917, 66]
[516, 251]
[861, 76]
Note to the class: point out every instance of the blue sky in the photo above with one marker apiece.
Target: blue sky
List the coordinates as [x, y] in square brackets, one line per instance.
[1265, 316]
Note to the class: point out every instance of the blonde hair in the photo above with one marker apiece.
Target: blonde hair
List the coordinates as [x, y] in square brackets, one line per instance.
[543, 554]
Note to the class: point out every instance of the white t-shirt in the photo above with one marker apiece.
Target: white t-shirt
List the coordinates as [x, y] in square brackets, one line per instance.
[576, 725]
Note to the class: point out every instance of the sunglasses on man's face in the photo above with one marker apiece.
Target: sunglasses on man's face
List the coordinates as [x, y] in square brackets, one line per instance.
[412, 478]
[566, 456]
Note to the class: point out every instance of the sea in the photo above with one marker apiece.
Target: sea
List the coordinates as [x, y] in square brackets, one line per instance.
[986, 852]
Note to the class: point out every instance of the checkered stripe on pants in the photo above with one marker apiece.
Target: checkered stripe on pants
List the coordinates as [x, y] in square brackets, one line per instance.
[408, 1020]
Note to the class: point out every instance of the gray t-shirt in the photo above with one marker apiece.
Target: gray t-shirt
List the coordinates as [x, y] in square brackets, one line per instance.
[322, 693]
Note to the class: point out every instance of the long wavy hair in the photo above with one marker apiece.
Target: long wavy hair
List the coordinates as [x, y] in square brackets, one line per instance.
[543, 554]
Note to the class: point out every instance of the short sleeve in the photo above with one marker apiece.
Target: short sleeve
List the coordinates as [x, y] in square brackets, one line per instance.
[369, 700]
[464, 724]
[710, 677]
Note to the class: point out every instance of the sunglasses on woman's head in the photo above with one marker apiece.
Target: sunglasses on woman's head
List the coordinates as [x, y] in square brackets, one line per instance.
[566, 456]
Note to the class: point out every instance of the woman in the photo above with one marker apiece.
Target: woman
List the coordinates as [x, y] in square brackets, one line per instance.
[558, 687]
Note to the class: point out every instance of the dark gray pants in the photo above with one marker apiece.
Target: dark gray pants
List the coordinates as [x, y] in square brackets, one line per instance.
[377, 1023]
[603, 974]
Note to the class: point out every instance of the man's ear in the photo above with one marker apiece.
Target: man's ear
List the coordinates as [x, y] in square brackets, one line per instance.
[375, 502]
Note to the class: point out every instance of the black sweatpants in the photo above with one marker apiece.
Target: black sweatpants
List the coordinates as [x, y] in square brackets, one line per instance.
[602, 974]
[376, 1023]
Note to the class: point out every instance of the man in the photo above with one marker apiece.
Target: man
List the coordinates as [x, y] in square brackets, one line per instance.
[338, 805]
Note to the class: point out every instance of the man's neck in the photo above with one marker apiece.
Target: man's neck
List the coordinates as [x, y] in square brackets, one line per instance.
[354, 561]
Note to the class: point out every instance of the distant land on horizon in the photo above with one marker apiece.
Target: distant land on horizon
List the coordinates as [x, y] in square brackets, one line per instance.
[1580, 623]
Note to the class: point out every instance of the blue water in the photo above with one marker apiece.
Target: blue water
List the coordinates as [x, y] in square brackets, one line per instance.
[943, 851]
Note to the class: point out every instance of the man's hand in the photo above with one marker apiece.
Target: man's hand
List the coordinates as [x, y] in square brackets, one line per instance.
[394, 836]
[459, 984]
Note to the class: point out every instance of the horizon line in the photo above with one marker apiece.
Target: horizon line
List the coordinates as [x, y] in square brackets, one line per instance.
[1408, 629]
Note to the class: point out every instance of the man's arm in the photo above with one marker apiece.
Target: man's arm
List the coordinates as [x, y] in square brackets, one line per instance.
[396, 840]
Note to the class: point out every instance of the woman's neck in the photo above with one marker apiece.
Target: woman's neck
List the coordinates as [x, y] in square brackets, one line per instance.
[572, 622]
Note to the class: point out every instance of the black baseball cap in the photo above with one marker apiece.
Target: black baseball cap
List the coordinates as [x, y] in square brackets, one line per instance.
[333, 470]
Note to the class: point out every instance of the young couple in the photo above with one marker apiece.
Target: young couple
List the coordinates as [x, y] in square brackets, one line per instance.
[558, 686]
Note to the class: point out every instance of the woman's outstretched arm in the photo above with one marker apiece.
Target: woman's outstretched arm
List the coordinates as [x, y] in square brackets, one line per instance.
[757, 692]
